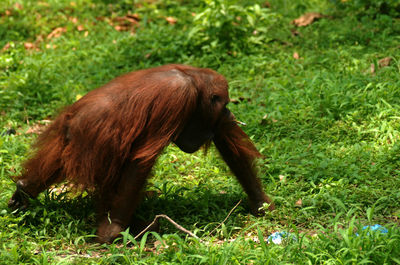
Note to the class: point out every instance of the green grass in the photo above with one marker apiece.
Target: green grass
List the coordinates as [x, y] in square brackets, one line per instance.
[328, 128]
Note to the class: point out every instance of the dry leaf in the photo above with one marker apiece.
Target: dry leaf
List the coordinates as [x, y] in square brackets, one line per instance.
[125, 23]
[296, 56]
[120, 28]
[267, 4]
[73, 20]
[38, 127]
[6, 47]
[18, 6]
[372, 68]
[133, 18]
[8, 12]
[306, 19]
[57, 32]
[86, 33]
[384, 62]
[80, 28]
[171, 20]
[29, 46]
[299, 203]
[51, 46]
[282, 178]
[295, 33]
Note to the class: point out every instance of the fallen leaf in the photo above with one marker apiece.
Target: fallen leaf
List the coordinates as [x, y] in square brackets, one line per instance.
[120, 28]
[299, 203]
[372, 68]
[8, 12]
[29, 46]
[307, 19]
[171, 20]
[384, 62]
[57, 32]
[296, 56]
[51, 46]
[73, 20]
[18, 6]
[133, 18]
[6, 47]
[267, 4]
[295, 33]
[282, 178]
[125, 23]
[38, 127]
[80, 28]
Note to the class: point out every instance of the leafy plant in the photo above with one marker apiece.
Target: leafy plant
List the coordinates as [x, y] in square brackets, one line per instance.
[225, 25]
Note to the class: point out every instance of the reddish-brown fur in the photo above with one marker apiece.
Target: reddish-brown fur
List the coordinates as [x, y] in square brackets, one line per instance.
[109, 140]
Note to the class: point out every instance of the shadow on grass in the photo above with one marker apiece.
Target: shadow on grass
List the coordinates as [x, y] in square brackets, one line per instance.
[53, 213]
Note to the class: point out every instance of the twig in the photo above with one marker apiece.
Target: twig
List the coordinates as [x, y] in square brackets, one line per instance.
[179, 227]
[226, 218]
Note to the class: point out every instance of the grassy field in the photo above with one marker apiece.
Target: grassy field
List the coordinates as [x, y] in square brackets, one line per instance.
[321, 102]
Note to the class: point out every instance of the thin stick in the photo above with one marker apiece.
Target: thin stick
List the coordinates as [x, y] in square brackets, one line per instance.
[179, 227]
[226, 218]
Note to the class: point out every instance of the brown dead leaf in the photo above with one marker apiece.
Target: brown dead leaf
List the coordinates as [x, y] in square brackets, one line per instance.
[125, 23]
[80, 28]
[38, 127]
[267, 4]
[171, 20]
[372, 68]
[296, 55]
[6, 47]
[8, 12]
[307, 19]
[51, 46]
[133, 18]
[73, 20]
[57, 32]
[384, 62]
[299, 202]
[295, 33]
[18, 6]
[29, 46]
[282, 178]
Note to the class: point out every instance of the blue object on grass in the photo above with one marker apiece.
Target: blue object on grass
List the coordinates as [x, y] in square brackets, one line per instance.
[375, 228]
[278, 237]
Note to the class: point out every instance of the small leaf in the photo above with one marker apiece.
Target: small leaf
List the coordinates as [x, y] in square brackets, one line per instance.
[384, 62]
[307, 19]
[171, 20]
